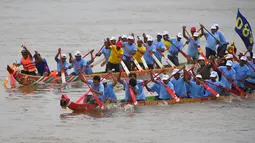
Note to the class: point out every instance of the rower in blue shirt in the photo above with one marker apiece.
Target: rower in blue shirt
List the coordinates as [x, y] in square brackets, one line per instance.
[97, 88]
[213, 83]
[197, 89]
[242, 72]
[64, 65]
[250, 82]
[160, 46]
[223, 43]
[194, 44]
[147, 56]
[109, 93]
[179, 84]
[229, 72]
[212, 39]
[129, 48]
[154, 88]
[173, 50]
[106, 53]
[81, 63]
[163, 94]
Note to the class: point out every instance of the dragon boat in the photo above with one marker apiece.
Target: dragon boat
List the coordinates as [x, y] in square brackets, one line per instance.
[24, 79]
[150, 100]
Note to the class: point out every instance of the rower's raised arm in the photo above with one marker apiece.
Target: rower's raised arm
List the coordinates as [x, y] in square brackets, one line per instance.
[184, 33]
[56, 57]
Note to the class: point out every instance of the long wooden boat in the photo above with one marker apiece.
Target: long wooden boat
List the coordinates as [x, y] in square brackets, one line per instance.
[24, 79]
[150, 100]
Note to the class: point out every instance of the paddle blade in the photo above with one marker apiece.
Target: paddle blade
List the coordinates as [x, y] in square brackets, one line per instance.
[82, 97]
[132, 96]
[173, 95]
[5, 82]
[63, 77]
[211, 90]
[12, 81]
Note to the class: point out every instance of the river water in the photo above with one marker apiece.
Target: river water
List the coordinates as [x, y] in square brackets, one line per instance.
[31, 115]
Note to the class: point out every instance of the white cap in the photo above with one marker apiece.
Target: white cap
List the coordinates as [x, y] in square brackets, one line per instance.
[63, 55]
[124, 36]
[165, 77]
[149, 39]
[113, 38]
[195, 34]
[105, 80]
[216, 25]
[77, 53]
[243, 58]
[201, 58]
[179, 35]
[199, 76]
[165, 33]
[130, 37]
[213, 27]
[147, 35]
[229, 63]
[159, 34]
[213, 74]
[175, 71]
[229, 56]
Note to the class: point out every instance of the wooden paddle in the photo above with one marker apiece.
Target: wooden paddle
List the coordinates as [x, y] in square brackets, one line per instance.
[87, 54]
[224, 88]
[184, 54]
[63, 77]
[83, 78]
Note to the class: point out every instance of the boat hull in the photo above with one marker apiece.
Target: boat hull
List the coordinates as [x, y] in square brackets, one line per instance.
[24, 79]
[83, 107]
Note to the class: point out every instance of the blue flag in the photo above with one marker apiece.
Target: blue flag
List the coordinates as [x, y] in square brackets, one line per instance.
[243, 29]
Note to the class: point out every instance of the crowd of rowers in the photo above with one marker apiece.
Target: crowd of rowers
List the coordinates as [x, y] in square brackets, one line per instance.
[127, 49]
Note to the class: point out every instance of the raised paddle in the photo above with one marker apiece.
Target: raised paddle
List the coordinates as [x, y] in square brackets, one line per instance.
[144, 63]
[235, 86]
[83, 78]
[63, 77]
[87, 53]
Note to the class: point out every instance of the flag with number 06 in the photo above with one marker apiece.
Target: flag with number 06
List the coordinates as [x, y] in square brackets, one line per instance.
[243, 29]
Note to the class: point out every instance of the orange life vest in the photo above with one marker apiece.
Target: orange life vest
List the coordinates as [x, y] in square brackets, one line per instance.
[28, 64]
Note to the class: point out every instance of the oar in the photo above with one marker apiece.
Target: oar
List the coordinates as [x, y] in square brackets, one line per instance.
[154, 57]
[87, 53]
[97, 53]
[210, 33]
[235, 86]
[169, 91]
[154, 76]
[144, 63]
[83, 78]
[132, 94]
[167, 60]
[198, 48]
[63, 77]
[84, 95]
[224, 88]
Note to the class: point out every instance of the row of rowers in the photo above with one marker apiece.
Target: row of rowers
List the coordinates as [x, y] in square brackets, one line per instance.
[126, 48]
[184, 84]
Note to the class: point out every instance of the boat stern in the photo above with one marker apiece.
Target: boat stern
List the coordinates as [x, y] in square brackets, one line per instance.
[10, 69]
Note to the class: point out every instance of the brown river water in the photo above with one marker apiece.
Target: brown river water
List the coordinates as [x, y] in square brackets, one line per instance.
[33, 115]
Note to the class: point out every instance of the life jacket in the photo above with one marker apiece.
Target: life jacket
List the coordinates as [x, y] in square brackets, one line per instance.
[28, 64]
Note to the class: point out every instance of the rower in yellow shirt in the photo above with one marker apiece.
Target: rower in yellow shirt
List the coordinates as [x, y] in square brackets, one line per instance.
[114, 59]
[140, 52]
[166, 41]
